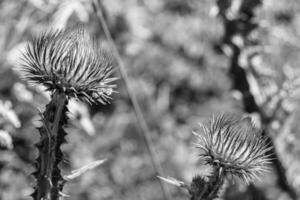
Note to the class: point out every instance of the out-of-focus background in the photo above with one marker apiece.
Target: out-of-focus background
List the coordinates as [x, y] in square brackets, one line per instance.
[178, 62]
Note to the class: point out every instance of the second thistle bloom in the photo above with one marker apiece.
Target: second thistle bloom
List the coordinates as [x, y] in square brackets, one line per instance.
[235, 145]
[71, 62]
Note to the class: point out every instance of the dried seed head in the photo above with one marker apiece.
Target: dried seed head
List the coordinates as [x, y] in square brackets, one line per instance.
[234, 144]
[70, 61]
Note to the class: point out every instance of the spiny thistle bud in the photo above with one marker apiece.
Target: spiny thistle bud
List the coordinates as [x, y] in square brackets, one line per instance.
[235, 145]
[71, 62]
[70, 65]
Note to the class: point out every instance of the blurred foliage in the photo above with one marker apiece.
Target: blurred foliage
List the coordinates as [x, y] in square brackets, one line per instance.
[179, 77]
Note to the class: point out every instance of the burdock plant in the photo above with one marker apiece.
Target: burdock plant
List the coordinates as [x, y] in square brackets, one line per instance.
[232, 146]
[69, 64]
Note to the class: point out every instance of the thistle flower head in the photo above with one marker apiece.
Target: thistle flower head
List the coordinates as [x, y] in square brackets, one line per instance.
[234, 144]
[69, 61]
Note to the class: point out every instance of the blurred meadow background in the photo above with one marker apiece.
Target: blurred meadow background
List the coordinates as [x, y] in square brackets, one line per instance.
[180, 59]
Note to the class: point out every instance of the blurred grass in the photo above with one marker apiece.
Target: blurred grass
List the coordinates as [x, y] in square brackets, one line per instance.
[178, 77]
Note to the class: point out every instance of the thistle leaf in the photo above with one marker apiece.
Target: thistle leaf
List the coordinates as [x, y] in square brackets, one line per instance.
[173, 181]
[78, 172]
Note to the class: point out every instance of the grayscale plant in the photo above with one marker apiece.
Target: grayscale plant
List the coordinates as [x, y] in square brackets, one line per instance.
[70, 65]
[70, 62]
[235, 145]
[232, 146]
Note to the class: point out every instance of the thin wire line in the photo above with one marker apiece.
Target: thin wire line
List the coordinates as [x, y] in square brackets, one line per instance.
[145, 131]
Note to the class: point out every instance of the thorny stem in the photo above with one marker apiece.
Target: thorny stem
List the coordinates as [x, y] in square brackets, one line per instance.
[217, 184]
[201, 189]
[49, 180]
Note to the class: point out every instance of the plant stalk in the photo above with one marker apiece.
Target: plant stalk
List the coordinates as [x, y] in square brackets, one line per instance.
[48, 175]
[202, 189]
